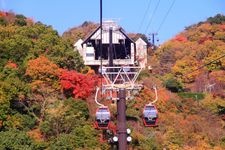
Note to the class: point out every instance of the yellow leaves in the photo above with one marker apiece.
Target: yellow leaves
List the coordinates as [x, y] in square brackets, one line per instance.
[15, 121]
[3, 96]
[6, 32]
[212, 103]
[220, 36]
[183, 69]
[57, 111]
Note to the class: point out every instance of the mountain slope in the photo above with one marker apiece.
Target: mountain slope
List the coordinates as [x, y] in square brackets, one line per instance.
[46, 104]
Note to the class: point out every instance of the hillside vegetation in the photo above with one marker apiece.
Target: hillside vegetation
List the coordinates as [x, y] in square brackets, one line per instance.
[47, 94]
[195, 57]
[80, 32]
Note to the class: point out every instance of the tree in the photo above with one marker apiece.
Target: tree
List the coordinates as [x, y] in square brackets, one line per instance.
[22, 41]
[80, 32]
[15, 139]
[42, 75]
[76, 84]
[42, 69]
[218, 19]
[82, 137]
[184, 68]
[63, 117]
[173, 85]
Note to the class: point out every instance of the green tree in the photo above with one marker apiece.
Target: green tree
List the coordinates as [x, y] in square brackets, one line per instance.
[218, 19]
[173, 85]
[82, 137]
[64, 116]
[15, 139]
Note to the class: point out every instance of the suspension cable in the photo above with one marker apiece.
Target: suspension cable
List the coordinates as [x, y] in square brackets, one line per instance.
[167, 13]
[204, 65]
[157, 5]
[146, 11]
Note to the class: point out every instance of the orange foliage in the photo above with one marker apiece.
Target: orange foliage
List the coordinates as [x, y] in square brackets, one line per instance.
[218, 75]
[203, 39]
[1, 123]
[222, 26]
[163, 95]
[42, 68]
[180, 38]
[2, 14]
[36, 135]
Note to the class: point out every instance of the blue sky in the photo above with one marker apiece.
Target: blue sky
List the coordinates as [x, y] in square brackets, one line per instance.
[132, 15]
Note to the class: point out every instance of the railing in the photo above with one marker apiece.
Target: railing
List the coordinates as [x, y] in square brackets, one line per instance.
[106, 62]
[121, 77]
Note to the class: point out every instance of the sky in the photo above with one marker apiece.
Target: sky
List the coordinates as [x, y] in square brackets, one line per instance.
[164, 17]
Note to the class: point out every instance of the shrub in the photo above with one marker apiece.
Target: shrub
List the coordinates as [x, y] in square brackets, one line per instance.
[15, 139]
[82, 137]
[64, 116]
[173, 85]
[195, 96]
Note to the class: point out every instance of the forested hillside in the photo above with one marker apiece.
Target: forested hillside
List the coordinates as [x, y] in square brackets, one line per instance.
[195, 57]
[80, 32]
[47, 94]
[39, 106]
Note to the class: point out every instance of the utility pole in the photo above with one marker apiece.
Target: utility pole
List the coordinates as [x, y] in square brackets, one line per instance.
[121, 120]
[152, 37]
[110, 52]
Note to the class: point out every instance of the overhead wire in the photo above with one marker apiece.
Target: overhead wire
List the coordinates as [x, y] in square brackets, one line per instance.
[166, 15]
[153, 14]
[204, 65]
[146, 11]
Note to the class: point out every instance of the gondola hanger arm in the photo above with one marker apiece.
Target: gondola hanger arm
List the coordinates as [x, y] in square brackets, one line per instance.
[96, 98]
[156, 96]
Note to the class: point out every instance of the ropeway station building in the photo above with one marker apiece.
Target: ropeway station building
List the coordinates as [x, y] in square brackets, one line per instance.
[125, 51]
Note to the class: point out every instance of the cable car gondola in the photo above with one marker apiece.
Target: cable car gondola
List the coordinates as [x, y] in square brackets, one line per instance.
[150, 116]
[102, 117]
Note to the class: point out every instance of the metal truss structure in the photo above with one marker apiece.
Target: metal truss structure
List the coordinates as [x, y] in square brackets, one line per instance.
[121, 78]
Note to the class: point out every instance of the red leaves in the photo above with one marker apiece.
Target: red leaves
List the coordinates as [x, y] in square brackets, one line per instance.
[11, 65]
[180, 38]
[81, 85]
[222, 26]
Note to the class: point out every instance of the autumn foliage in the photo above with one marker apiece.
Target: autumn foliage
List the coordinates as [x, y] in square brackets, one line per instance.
[40, 90]
[77, 84]
[42, 68]
[180, 38]
[11, 65]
